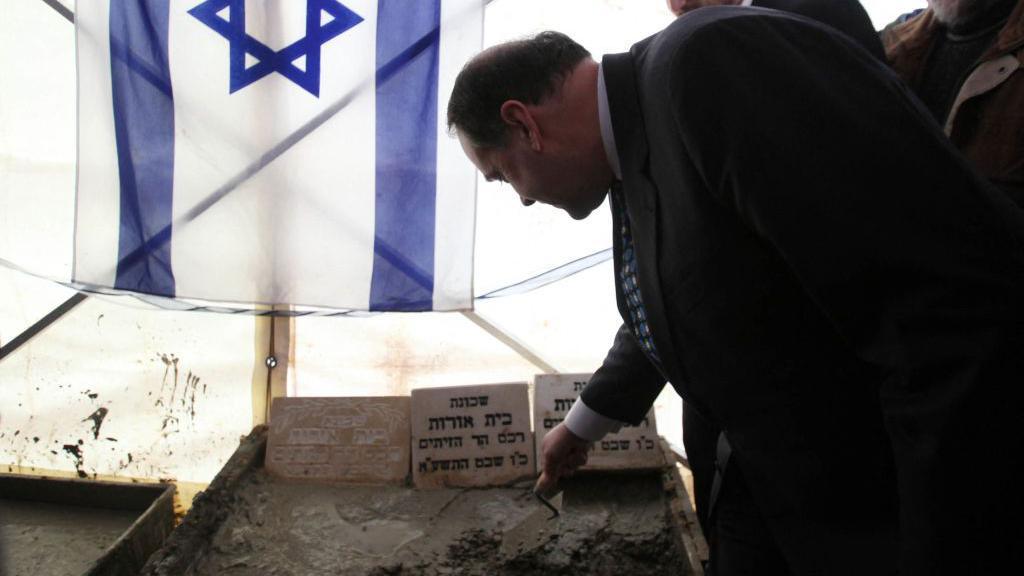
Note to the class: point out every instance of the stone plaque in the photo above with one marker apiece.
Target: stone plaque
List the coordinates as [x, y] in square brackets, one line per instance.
[471, 435]
[630, 447]
[355, 440]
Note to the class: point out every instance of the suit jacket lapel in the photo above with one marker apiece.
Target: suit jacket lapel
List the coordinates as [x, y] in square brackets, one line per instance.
[641, 200]
[623, 103]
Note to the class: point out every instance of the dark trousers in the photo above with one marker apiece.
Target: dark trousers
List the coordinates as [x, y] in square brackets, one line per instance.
[740, 542]
[739, 539]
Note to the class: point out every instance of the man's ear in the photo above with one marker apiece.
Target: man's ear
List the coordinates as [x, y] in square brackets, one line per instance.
[676, 6]
[521, 123]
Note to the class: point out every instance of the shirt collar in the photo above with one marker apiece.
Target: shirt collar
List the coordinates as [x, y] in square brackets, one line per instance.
[605, 118]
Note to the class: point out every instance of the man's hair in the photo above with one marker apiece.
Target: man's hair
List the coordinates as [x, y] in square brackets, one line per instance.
[528, 70]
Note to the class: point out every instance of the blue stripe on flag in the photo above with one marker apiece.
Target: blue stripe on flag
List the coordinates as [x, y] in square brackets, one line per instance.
[144, 129]
[403, 251]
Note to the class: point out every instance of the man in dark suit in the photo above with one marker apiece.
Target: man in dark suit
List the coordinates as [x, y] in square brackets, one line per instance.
[782, 257]
[736, 534]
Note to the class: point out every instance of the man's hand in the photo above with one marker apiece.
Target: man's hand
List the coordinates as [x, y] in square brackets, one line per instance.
[562, 452]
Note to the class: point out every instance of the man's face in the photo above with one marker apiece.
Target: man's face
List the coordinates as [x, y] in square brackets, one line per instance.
[548, 178]
[680, 7]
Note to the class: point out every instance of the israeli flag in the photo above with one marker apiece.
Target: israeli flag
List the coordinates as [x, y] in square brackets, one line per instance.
[275, 151]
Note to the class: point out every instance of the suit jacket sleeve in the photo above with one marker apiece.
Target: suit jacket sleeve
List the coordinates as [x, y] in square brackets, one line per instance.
[915, 259]
[626, 384]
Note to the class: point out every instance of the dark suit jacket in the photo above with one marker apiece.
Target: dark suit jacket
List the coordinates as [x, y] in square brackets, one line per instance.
[831, 284]
[847, 16]
[700, 436]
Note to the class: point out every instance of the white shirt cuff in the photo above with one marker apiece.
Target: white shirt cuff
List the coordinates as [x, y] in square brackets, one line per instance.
[746, 2]
[587, 424]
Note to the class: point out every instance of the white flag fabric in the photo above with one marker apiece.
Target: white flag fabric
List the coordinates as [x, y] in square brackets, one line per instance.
[275, 152]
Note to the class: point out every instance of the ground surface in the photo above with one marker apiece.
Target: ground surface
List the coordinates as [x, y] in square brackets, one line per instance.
[609, 525]
[56, 540]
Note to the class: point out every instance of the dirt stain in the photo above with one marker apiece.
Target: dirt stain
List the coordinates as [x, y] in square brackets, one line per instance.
[170, 375]
[177, 398]
[97, 420]
[75, 451]
[191, 385]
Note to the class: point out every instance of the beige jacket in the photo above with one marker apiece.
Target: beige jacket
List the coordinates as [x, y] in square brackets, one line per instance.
[986, 121]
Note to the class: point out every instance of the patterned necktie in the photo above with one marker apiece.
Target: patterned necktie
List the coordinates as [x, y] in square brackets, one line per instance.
[628, 280]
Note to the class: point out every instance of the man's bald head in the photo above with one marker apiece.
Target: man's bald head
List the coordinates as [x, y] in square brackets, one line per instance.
[526, 113]
[528, 70]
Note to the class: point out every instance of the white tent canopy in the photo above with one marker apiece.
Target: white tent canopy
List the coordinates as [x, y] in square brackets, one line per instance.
[118, 387]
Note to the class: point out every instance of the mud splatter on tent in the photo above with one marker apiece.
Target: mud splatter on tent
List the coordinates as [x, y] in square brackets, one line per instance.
[97, 420]
[177, 408]
[76, 453]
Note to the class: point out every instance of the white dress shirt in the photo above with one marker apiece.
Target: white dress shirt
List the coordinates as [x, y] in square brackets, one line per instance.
[581, 419]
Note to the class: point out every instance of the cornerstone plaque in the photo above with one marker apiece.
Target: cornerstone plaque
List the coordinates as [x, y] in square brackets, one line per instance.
[630, 447]
[357, 440]
[471, 435]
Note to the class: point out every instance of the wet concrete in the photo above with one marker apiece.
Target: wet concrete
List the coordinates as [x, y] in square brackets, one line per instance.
[56, 539]
[610, 524]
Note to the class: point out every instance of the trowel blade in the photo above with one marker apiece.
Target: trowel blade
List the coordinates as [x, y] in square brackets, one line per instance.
[554, 503]
[534, 529]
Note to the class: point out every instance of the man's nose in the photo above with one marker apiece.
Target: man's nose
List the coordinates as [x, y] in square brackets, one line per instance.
[526, 201]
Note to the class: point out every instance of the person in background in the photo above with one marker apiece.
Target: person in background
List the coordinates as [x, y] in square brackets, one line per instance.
[963, 60]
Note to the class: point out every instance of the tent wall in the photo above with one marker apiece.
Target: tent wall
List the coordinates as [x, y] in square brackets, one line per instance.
[179, 388]
[114, 390]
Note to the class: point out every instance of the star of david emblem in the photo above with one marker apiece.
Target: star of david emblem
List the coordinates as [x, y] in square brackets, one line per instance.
[285, 60]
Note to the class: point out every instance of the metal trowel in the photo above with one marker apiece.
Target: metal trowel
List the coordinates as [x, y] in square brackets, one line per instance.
[535, 528]
[554, 504]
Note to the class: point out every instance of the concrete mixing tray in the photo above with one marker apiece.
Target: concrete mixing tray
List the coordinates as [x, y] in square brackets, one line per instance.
[251, 523]
[65, 527]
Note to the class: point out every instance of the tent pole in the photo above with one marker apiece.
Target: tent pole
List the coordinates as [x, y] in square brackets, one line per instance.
[509, 340]
[61, 9]
[42, 324]
[281, 347]
[274, 348]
